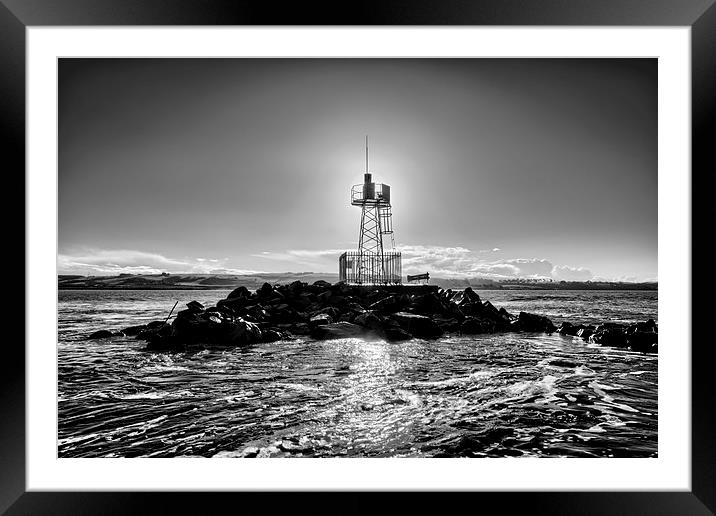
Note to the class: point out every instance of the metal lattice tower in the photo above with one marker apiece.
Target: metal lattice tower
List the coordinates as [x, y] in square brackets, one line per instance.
[372, 264]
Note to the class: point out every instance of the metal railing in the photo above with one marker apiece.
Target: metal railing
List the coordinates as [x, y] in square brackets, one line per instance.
[381, 195]
[370, 269]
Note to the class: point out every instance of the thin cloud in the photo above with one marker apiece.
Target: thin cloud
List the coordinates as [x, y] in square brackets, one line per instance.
[127, 261]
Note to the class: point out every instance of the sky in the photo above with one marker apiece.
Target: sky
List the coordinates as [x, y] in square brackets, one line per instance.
[499, 168]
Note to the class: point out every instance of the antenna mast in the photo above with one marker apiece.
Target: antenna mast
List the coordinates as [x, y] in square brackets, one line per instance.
[366, 153]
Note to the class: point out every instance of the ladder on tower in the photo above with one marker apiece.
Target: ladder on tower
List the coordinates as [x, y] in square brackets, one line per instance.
[386, 222]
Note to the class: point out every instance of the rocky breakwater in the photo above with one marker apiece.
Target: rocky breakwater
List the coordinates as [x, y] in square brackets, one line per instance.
[642, 336]
[330, 311]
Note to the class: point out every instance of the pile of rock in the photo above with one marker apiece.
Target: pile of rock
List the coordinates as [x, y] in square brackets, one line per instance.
[329, 311]
[641, 336]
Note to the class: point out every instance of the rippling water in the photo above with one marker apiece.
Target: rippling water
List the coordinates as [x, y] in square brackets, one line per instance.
[479, 396]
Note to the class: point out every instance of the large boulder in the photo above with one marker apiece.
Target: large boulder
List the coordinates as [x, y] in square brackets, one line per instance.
[233, 331]
[429, 305]
[417, 325]
[234, 304]
[466, 296]
[283, 313]
[643, 327]
[190, 327]
[299, 328]
[270, 335]
[533, 322]
[567, 328]
[644, 341]
[100, 334]
[320, 320]
[159, 338]
[387, 305]
[339, 330]
[132, 331]
[214, 328]
[395, 334]
[369, 320]
[609, 336]
[296, 287]
[474, 325]
[239, 292]
[447, 324]
[575, 330]
[195, 306]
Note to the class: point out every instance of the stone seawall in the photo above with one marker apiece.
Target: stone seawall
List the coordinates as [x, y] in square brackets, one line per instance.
[327, 311]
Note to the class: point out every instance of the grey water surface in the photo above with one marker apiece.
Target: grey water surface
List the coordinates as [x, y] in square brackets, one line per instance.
[463, 396]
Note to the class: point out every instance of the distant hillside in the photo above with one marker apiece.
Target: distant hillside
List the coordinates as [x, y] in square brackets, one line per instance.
[254, 281]
[185, 281]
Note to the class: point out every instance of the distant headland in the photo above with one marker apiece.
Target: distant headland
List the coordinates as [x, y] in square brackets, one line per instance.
[178, 281]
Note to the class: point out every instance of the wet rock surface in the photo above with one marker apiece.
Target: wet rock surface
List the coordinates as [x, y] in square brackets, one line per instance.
[326, 311]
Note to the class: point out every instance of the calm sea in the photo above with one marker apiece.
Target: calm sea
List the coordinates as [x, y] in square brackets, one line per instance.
[479, 396]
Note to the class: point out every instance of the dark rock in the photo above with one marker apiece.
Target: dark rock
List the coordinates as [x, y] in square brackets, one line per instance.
[234, 305]
[160, 338]
[567, 328]
[369, 320]
[466, 296]
[532, 322]
[233, 331]
[507, 316]
[157, 342]
[388, 305]
[609, 336]
[473, 326]
[321, 284]
[642, 341]
[341, 289]
[331, 311]
[562, 363]
[585, 333]
[346, 317]
[283, 313]
[134, 330]
[100, 334]
[429, 305]
[320, 319]
[195, 306]
[300, 329]
[239, 292]
[323, 297]
[643, 327]
[490, 308]
[189, 327]
[609, 326]
[162, 329]
[417, 325]
[296, 287]
[214, 328]
[274, 298]
[395, 334]
[339, 330]
[447, 324]
[271, 336]
[338, 301]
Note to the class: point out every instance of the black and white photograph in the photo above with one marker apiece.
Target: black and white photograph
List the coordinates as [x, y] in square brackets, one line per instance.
[357, 258]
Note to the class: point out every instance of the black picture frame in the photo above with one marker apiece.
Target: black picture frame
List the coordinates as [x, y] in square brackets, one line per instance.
[700, 15]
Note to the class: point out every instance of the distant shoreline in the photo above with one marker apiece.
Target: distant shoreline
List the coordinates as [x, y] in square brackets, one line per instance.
[254, 281]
